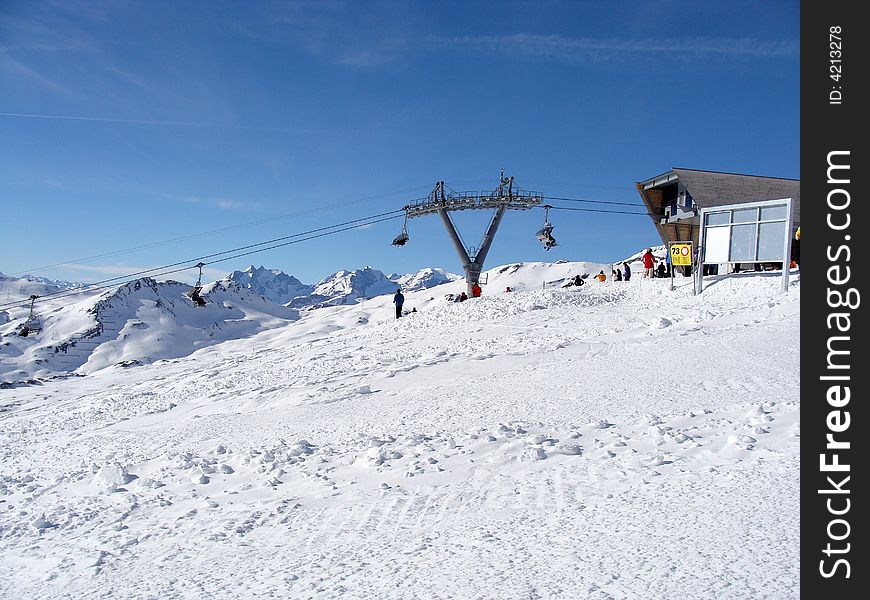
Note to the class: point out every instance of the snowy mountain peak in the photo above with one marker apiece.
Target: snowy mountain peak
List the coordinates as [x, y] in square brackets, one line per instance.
[346, 287]
[272, 284]
[136, 323]
[424, 278]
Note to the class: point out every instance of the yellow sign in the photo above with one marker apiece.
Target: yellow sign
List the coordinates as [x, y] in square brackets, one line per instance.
[681, 255]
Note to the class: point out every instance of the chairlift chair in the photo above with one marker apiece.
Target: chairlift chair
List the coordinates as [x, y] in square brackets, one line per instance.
[32, 324]
[193, 293]
[402, 238]
[545, 233]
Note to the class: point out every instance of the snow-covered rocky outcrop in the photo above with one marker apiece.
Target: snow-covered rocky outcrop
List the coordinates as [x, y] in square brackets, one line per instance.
[272, 284]
[423, 279]
[137, 323]
[346, 287]
[21, 288]
[343, 287]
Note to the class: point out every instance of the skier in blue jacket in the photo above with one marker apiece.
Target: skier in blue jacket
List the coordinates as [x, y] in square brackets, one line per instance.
[626, 271]
[398, 300]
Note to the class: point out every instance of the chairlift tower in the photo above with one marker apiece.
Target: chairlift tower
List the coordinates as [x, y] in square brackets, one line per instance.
[443, 200]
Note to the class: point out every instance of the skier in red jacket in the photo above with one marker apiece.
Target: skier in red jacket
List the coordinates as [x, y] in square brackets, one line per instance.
[649, 262]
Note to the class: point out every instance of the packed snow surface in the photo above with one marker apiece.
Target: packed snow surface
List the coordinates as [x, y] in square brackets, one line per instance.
[616, 440]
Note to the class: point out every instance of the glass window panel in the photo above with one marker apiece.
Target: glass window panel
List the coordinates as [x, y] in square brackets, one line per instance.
[743, 243]
[719, 218]
[771, 238]
[716, 245]
[744, 215]
[770, 213]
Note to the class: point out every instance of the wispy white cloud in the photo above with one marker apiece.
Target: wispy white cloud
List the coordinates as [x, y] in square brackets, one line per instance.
[230, 205]
[342, 33]
[577, 49]
[223, 203]
[16, 70]
[101, 272]
[364, 58]
[106, 269]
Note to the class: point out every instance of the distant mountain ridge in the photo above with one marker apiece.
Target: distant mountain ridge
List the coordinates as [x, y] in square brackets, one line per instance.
[23, 287]
[272, 284]
[136, 323]
[346, 287]
[145, 321]
[340, 288]
[423, 279]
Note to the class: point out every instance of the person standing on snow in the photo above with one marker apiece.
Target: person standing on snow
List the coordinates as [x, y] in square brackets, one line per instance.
[601, 276]
[475, 290]
[796, 248]
[398, 300]
[649, 263]
[626, 271]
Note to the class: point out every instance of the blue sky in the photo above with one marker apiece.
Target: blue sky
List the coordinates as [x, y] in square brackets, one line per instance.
[129, 124]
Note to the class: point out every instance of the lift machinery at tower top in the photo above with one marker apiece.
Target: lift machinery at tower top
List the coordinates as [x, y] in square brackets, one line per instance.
[442, 200]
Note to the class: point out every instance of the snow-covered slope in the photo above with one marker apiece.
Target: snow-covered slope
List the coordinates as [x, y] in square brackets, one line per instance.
[660, 252]
[13, 289]
[137, 323]
[147, 320]
[617, 440]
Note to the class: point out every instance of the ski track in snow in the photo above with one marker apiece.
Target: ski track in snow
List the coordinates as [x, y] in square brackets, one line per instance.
[608, 442]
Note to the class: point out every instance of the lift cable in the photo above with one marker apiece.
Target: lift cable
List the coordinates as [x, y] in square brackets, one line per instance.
[635, 204]
[600, 210]
[586, 185]
[346, 226]
[303, 236]
[213, 231]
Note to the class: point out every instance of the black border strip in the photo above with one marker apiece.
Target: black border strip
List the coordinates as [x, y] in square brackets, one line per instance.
[834, 110]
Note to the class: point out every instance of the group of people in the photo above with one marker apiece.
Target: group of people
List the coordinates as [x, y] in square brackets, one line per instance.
[623, 273]
[618, 274]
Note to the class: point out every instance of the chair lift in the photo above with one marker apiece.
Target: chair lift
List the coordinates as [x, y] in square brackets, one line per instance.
[193, 292]
[545, 233]
[32, 324]
[402, 238]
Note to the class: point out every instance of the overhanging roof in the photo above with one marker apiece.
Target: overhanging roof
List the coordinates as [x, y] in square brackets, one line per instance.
[713, 188]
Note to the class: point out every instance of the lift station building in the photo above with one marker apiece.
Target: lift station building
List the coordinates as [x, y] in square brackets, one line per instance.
[674, 199]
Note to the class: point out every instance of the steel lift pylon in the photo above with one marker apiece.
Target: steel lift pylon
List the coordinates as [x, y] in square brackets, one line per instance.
[443, 201]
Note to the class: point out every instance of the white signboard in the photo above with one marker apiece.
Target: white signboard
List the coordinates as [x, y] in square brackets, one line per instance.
[747, 232]
[716, 245]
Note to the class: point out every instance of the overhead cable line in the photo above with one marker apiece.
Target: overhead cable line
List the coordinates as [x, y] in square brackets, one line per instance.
[214, 231]
[588, 185]
[187, 268]
[635, 204]
[160, 271]
[600, 210]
